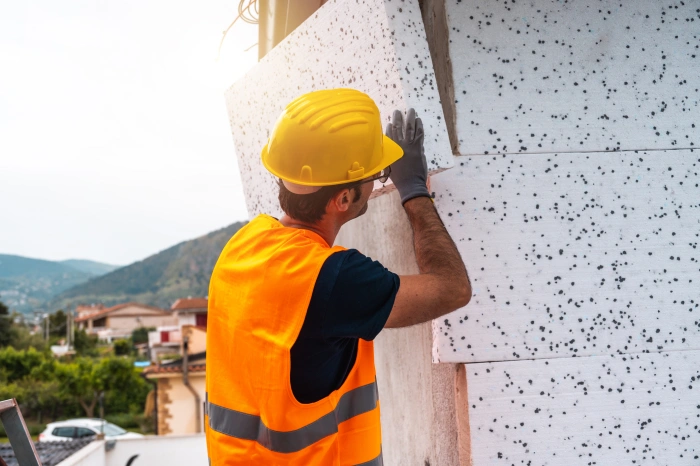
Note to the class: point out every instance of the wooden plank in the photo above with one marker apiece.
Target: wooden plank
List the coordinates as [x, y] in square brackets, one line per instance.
[573, 254]
[437, 33]
[552, 76]
[375, 46]
[639, 409]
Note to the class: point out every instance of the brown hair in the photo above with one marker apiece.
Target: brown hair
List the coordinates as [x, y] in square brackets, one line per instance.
[311, 208]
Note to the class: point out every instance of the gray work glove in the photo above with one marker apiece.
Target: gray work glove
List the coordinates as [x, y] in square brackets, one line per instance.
[410, 172]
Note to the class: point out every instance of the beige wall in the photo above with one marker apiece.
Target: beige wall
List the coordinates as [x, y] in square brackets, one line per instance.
[176, 404]
[118, 322]
[198, 339]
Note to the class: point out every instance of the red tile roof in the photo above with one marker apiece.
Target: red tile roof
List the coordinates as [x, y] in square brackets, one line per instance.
[190, 303]
[174, 369]
[96, 315]
[90, 307]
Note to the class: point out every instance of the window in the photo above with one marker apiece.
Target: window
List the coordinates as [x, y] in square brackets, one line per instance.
[68, 432]
[111, 430]
[201, 320]
[164, 337]
[84, 432]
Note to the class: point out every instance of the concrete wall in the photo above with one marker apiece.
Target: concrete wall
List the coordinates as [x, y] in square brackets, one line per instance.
[575, 203]
[156, 450]
[91, 455]
[173, 450]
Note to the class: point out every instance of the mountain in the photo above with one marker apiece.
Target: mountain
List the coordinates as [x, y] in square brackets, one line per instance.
[91, 267]
[26, 283]
[180, 271]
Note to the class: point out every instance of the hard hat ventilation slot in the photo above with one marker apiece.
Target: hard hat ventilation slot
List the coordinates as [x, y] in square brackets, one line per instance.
[324, 118]
[349, 122]
[315, 110]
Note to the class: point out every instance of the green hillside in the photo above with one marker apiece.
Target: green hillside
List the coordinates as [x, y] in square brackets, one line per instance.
[91, 267]
[26, 283]
[180, 271]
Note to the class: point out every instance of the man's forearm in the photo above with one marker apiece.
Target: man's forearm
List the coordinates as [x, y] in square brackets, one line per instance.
[436, 253]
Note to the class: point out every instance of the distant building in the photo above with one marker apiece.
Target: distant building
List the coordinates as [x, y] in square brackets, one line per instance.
[121, 320]
[178, 407]
[191, 311]
[86, 310]
[62, 349]
[191, 320]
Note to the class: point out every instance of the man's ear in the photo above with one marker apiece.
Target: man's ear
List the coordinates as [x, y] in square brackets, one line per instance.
[341, 201]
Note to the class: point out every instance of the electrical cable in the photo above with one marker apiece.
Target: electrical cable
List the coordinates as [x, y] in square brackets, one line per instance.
[242, 12]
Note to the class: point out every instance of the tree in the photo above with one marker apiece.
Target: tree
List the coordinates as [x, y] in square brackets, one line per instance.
[84, 344]
[140, 335]
[5, 326]
[79, 381]
[122, 347]
[85, 380]
[15, 365]
[30, 377]
[57, 324]
[22, 339]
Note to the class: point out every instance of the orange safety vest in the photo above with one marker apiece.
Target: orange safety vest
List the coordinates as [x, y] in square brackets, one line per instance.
[258, 296]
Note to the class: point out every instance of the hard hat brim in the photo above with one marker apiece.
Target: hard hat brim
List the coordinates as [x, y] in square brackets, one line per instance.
[391, 152]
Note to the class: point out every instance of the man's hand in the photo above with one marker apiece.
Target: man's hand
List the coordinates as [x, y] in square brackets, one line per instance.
[442, 284]
[410, 173]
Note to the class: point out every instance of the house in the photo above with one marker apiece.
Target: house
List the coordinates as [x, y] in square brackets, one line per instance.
[121, 320]
[191, 311]
[84, 310]
[179, 397]
[191, 320]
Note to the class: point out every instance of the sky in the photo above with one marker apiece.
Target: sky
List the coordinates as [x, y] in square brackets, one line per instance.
[114, 137]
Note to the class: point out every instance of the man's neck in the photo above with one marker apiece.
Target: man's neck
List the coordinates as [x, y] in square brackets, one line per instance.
[325, 228]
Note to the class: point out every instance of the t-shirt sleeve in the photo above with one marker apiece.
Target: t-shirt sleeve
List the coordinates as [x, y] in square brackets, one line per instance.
[361, 297]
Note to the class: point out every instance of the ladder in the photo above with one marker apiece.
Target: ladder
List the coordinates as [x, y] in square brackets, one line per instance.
[17, 432]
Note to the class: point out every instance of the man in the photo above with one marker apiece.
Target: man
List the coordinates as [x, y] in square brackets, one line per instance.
[290, 361]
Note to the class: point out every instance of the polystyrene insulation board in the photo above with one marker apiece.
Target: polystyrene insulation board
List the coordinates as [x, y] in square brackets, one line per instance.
[378, 47]
[556, 76]
[633, 409]
[573, 254]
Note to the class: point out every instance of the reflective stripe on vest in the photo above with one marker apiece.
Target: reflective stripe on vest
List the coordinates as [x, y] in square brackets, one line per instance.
[250, 427]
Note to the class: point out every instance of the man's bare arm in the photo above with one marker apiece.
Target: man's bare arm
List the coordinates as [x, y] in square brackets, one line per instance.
[443, 284]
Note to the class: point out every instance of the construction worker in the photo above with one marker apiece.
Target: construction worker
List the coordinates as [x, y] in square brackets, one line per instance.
[290, 360]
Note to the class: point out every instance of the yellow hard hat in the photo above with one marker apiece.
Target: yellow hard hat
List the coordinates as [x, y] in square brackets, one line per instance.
[328, 137]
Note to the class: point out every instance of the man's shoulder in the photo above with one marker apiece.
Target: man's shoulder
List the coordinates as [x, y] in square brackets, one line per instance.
[352, 265]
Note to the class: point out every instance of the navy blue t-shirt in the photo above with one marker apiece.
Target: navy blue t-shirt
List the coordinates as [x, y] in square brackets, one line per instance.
[352, 299]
